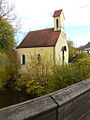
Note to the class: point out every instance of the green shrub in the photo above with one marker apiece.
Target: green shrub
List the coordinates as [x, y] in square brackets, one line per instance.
[39, 81]
[8, 69]
[67, 75]
[35, 82]
[4, 76]
[31, 85]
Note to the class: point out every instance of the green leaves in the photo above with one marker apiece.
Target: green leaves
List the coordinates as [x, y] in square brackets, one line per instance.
[40, 81]
[67, 75]
[8, 68]
[31, 84]
[73, 51]
[4, 77]
[7, 40]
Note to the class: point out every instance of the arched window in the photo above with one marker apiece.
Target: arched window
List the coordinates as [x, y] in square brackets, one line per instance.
[22, 59]
[57, 23]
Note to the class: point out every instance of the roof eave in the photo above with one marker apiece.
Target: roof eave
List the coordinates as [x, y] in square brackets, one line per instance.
[35, 46]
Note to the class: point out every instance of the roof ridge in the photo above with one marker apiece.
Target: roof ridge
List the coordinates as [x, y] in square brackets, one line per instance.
[41, 29]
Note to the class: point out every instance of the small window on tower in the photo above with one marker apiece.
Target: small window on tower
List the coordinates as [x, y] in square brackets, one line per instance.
[22, 59]
[57, 23]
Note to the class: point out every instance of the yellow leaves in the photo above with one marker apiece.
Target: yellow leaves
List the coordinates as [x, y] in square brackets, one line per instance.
[41, 80]
[31, 82]
[4, 76]
[33, 88]
[33, 85]
[84, 58]
[35, 81]
[7, 68]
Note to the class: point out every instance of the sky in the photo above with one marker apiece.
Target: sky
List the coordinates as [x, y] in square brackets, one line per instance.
[37, 14]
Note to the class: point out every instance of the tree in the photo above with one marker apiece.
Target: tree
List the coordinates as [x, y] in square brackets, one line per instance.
[7, 40]
[7, 13]
[8, 30]
[73, 51]
[8, 55]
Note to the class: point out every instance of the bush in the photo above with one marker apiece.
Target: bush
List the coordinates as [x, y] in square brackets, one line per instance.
[4, 76]
[8, 69]
[35, 82]
[40, 80]
[31, 85]
[73, 51]
[66, 75]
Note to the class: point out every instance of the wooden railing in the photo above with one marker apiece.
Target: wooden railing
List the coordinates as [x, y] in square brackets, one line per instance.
[71, 103]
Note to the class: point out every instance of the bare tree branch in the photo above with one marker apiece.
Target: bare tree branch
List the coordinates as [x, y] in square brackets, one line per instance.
[7, 13]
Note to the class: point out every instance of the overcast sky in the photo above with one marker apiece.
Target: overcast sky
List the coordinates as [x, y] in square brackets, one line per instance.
[37, 14]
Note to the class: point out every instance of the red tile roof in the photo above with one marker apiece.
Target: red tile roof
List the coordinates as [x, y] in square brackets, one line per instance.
[57, 13]
[40, 38]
